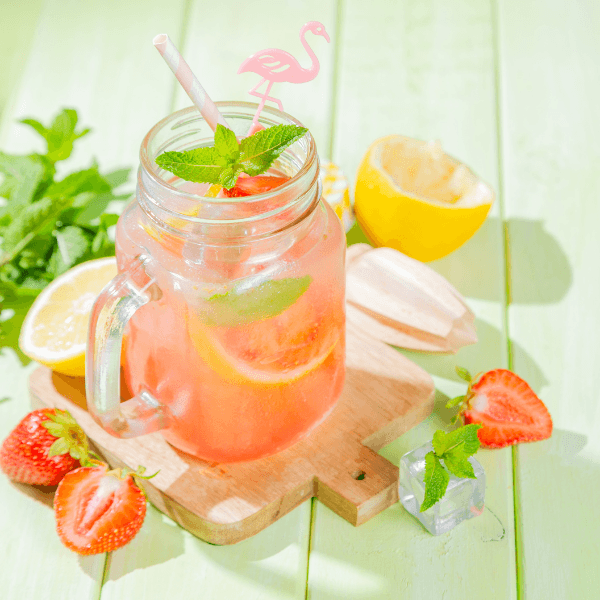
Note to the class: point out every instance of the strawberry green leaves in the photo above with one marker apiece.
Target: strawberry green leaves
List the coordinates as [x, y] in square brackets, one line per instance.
[70, 438]
[454, 449]
[227, 159]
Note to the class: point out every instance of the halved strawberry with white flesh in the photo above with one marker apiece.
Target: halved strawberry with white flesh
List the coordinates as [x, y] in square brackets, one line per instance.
[506, 406]
[250, 186]
[98, 510]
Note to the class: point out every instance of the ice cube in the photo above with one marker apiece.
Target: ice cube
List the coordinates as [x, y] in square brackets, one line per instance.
[464, 498]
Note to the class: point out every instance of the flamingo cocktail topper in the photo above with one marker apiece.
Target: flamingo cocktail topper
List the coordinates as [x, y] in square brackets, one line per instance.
[277, 65]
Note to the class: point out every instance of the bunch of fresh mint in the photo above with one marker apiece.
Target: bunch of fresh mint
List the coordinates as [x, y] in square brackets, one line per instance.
[450, 452]
[48, 225]
[227, 159]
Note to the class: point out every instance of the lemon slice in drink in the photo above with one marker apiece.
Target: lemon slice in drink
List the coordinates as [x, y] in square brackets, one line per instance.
[413, 197]
[55, 329]
[273, 352]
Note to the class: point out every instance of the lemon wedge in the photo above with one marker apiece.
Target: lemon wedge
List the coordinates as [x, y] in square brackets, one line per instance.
[55, 329]
[337, 193]
[413, 197]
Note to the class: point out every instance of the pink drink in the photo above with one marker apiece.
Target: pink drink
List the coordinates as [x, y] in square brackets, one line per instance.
[244, 343]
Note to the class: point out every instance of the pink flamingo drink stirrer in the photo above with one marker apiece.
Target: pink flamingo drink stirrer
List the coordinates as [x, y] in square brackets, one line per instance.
[277, 65]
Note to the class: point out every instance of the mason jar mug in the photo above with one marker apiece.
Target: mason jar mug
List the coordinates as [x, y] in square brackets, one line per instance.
[227, 316]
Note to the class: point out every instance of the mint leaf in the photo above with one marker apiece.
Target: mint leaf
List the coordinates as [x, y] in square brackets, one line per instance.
[31, 220]
[466, 435]
[454, 449]
[456, 461]
[199, 165]
[229, 176]
[73, 244]
[463, 374]
[436, 481]
[267, 300]
[258, 151]
[439, 442]
[102, 245]
[117, 178]
[227, 159]
[36, 125]
[88, 180]
[23, 174]
[60, 135]
[226, 144]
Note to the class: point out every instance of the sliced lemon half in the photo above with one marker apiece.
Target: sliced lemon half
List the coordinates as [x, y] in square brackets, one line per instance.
[55, 329]
[413, 197]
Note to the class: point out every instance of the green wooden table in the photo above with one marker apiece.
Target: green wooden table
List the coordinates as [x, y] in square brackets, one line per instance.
[510, 87]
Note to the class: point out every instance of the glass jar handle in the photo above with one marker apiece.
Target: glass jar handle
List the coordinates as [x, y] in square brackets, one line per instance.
[112, 310]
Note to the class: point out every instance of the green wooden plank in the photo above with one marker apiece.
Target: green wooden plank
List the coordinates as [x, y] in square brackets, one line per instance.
[272, 564]
[99, 59]
[426, 69]
[165, 561]
[18, 20]
[549, 78]
[34, 562]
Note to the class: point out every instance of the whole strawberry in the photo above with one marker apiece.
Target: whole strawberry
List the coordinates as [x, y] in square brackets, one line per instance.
[43, 447]
[506, 406]
[98, 510]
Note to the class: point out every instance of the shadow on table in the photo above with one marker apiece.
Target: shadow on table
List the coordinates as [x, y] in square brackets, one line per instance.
[539, 268]
[540, 272]
[161, 540]
[40, 493]
[488, 353]
[158, 541]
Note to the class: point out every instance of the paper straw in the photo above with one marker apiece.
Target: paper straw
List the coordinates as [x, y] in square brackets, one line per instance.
[188, 81]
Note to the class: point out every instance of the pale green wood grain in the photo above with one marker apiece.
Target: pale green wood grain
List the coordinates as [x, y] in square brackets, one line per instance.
[426, 69]
[273, 564]
[551, 151]
[18, 25]
[99, 59]
[165, 561]
[34, 562]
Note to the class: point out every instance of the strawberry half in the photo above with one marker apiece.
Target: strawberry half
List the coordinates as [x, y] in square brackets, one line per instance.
[98, 510]
[507, 407]
[250, 186]
[43, 447]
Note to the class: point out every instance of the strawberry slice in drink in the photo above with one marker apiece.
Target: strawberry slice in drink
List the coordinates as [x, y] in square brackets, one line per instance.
[250, 186]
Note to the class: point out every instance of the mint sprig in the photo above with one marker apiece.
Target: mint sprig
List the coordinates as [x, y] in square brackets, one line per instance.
[48, 225]
[450, 454]
[227, 159]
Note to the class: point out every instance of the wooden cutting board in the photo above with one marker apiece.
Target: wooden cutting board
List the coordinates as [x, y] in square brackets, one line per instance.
[385, 395]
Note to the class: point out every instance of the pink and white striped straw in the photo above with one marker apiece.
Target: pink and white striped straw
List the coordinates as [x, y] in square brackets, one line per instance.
[188, 81]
